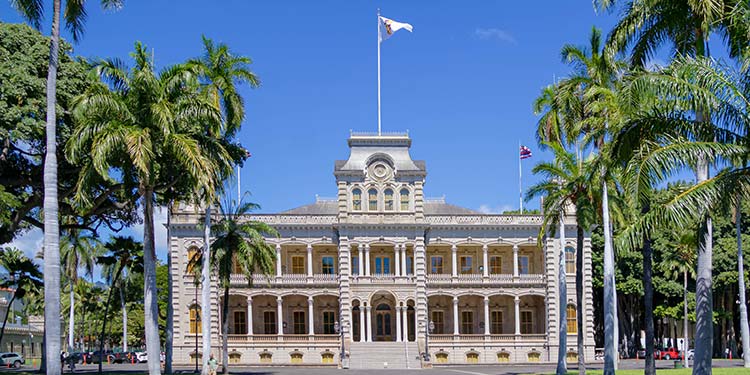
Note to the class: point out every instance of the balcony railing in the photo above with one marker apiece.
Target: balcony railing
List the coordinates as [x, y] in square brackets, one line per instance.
[262, 281]
[274, 339]
[473, 279]
[474, 338]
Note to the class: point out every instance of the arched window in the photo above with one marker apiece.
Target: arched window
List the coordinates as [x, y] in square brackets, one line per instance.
[195, 319]
[570, 260]
[372, 199]
[192, 259]
[388, 200]
[404, 200]
[357, 200]
[572, 319]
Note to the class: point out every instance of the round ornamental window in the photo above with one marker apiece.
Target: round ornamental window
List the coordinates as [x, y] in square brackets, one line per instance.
[380, 171]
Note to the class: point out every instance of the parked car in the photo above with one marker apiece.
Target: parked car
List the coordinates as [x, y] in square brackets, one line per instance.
[141, 357]
[667, 354]
[107, 356]
[690, 354]
[12, 359]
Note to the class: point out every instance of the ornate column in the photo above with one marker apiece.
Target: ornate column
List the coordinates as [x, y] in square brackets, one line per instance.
[454, 269]
[309, 261]
[455, 315]
[249, 315]
[360, 261]
[279, 317]
[397, 259]
[398, 323]
[405, 319]
[486, 315]
[367, 260]
[369, 323]
[310, 316]
[278, 260]
[515, 260]
[485, 263]
[362, 324]
[517, 316]
[404, 271]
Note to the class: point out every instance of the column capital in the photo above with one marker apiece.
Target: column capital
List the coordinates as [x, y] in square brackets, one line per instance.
[249, 299]
[486, 300]
[367, 247]
[278, 247]
[517, 300]
[454, 248]
[309, 247]
[398, 307]
[368, 308]
[485, 248]
[455, 300]
[279, 300]
[515, 248]
[310, 300]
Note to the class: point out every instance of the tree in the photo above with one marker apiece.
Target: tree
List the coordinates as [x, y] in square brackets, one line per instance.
[152, 131]
[76, 252]
[238, 246]
[23, 276]
[75, 14]
[681, 260]
[220, 72]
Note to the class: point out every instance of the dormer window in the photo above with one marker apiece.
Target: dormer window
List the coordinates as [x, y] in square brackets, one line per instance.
[404, 200]
[388, 200]
[372, 198]
[357, 200]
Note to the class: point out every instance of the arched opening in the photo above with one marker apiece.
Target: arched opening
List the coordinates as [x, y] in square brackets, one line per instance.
[404, 199]
[384, 319]
[356, 200]
[570, 260]
[356, 322]
[372, 200]
[572, 319]
[388, 200]
[195, 319]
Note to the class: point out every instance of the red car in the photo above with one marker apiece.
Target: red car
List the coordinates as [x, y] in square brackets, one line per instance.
[667, 354]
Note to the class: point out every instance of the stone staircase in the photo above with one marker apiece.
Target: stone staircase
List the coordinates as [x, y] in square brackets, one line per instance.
[381, 355]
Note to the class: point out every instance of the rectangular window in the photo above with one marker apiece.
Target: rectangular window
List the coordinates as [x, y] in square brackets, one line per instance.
[496, 265]
[409, 266]
[328, 265]
[382, 265]
[466, 264]
[436, 265]
[240, 322]
[437, 320]
[195, 320]
[496, 321]
[355, 265]
[467, 322]
[523, 265]
[329, 322]
[527, 322]
[269, 322]
[298, 265]
[299, 322]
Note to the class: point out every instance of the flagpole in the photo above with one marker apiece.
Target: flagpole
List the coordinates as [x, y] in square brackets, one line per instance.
[238, 186]
[520, 186]
[378, 71]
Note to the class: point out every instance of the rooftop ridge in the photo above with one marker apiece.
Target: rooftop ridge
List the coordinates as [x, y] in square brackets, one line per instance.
[353, 133]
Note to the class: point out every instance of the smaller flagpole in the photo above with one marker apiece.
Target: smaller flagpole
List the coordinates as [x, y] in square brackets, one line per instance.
[378, 71]
[238, 186]
[520, 186]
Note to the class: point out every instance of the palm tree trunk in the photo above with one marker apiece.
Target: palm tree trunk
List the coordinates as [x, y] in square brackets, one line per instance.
[686, 344]
[71, 318]
[170, 309]
[7, 312]
[610, 304]
[744, 331]
[104, 320]
[51, 223]
[225, 332]
[648, 303]
[43, 361]
[579, 300]
[151, 308]
[206, 292]
[704, 327]
[562, 349]
[124, 319]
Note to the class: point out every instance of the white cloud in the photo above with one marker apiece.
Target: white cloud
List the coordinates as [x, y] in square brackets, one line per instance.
[30, 242]
[493, 210]
[494, 33]
[160, 231]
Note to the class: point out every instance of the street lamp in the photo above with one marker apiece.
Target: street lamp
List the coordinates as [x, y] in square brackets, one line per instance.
[339, 329]
[430, 329]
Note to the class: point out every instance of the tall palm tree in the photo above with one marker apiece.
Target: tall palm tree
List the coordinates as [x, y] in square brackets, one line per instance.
[75, 15]
[22, 276]
[76, 252]
[744, 329]
[567, 181]
[685, 24]
[220, 72]
[124, 260]
[151, 129]
[238, 245]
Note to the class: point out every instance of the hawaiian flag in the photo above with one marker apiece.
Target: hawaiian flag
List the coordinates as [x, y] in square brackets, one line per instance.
[525, 152]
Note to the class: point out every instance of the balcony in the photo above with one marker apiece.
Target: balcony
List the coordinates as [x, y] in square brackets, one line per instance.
[276, 339]
[532, 338]
[478, 279]
[262, 281]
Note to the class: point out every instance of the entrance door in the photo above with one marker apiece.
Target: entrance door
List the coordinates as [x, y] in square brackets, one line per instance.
[383, 323]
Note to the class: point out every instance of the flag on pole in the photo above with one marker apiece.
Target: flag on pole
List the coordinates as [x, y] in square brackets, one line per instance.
[389, 26]
[525, 152]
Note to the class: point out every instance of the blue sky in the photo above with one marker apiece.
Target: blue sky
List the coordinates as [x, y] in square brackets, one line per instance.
[462, 83]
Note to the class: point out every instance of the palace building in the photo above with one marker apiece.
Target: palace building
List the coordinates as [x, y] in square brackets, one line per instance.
[385, 275]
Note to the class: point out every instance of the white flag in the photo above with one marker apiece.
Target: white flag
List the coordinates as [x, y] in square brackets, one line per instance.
[389, 26]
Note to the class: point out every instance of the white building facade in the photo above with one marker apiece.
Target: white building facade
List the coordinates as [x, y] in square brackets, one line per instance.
[384, 275]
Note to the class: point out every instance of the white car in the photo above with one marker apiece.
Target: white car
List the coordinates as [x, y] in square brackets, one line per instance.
[141, 357]
[690, 354]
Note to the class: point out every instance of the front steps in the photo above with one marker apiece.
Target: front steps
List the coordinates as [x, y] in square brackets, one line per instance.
[382, 355]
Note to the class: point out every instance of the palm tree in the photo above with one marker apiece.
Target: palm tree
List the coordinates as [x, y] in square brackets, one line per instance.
[75, 15]
[238, 245]
[567, 181]
[76, 252]
[681, 260]
[744, 329]
[125, 259]
[220, 72]
[23, 276]
[152, 129]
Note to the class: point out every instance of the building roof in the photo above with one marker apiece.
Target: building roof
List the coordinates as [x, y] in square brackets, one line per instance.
[320, 207]
[330, 207]
[439, 207]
